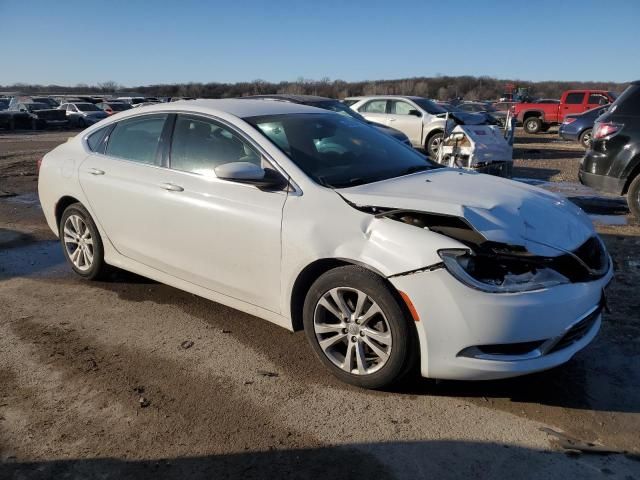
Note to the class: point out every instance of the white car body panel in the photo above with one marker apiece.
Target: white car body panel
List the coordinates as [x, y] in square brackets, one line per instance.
[245, 248]
[501, 210]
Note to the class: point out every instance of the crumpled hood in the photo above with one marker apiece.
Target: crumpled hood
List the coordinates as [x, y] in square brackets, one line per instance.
[501, 210]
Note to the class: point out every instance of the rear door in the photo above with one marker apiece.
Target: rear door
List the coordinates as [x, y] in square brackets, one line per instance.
[575, 102]
[123, 186]
[375, 111]
[596, 99]
[407, 118]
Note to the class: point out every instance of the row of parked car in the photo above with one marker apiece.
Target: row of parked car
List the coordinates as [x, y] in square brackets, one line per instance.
[19, 112]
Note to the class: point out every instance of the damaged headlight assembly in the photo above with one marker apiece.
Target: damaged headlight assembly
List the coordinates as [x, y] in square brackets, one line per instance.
[494, 274]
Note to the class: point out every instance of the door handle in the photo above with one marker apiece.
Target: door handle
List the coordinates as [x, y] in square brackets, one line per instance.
[95, 171]
[392, 119]
[172, 187]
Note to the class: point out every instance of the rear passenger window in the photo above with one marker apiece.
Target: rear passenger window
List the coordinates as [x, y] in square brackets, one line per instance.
[574, 98]
[597, 99]
[199, 145]
[94, 141]
[137, 139]
[375, 106]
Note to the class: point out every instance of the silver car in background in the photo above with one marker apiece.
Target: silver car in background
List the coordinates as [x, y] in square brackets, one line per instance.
[418, 118]
[83, 114]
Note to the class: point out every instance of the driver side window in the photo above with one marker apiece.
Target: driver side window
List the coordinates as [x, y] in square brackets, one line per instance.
[401, 108]
[199, 145]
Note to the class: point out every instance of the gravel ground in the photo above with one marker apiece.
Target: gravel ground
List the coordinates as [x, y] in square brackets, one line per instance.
[96, 382]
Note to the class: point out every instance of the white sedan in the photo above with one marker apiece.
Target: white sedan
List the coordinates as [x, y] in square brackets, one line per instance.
[315, 221]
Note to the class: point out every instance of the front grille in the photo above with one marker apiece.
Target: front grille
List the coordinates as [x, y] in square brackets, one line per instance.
[578, 331]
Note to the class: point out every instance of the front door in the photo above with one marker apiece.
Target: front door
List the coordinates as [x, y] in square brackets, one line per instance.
[408, 119]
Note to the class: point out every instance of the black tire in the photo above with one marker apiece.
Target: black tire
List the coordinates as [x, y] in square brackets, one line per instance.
[432, 144]
[633, 197]
[98, 268]
[585, 139]
[532, 124]
[403, 350]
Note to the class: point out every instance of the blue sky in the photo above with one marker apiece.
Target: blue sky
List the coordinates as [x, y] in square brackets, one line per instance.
[138, 42]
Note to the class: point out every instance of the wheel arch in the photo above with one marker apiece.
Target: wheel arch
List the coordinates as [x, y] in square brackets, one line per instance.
[633, 173]
[533, 113]
[431, 133]
[310, 274]
[61, 206]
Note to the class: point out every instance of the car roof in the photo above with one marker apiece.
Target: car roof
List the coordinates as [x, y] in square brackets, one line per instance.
[232, 106]
[290, 98]
[366, 97]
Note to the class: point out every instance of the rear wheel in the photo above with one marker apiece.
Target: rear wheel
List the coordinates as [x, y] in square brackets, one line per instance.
[633, 197]
[358, 329]
[532, 125]
[81, 243]
[585, 138]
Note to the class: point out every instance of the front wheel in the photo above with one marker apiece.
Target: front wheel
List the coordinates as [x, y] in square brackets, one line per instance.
[81, 243]
[358, 329]
[433, 144]
[585, 138]
[633, 197]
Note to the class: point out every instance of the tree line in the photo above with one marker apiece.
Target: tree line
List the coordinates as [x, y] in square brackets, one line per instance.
[440, 88]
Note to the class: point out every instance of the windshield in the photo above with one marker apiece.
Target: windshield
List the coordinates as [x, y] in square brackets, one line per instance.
[337, 151]
[87, 107]
[338, 107]
[428, 106]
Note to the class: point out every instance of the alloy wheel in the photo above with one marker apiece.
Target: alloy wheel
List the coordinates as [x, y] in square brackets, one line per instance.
[78, 242]
[435, 145]
[352, 331]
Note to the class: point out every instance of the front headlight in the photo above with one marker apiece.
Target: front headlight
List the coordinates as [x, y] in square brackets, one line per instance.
[496, 274]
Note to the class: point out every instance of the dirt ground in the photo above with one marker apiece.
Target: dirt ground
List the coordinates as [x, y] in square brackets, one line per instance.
[96, 382]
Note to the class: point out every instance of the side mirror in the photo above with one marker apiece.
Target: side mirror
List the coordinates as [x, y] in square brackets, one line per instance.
[415, 113]
[250, 173]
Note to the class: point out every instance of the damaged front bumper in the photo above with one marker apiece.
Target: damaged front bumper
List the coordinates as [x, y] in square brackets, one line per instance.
[467, 334]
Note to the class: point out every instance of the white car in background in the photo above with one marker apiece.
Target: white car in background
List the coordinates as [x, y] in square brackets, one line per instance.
[311, 219]
[418, 118]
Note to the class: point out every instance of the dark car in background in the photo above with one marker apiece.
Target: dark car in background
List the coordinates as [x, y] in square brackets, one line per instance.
[579, 126]
[83, 114]
[612, 163]
[50, 102]
[467, 117]
[40, 115]
[486, 109]
[113, 107]
[333, 105]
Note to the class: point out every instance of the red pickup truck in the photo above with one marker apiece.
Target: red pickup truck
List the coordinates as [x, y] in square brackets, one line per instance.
[538, 117]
